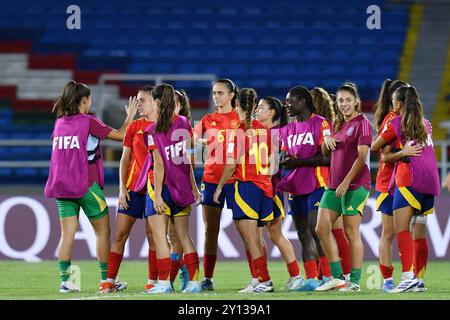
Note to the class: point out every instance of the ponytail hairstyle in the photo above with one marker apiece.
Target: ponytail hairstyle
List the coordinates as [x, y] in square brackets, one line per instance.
[303, 93]
[166, 94]
[349, 87]
[323, 103]
[280, 111]
[384, 102]
[413, 127]
[68, 103]
[231, 87]
[247, 102]
[183, 99]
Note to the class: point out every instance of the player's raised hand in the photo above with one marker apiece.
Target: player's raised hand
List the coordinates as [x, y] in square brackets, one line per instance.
[132, 107]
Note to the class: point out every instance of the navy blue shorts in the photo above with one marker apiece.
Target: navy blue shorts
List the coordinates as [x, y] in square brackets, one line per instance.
[278, 208]
[136, 206]
[384, 202]
[303, 204]
[251, 202]
[227, 194]
[172, 209]
[407, 196]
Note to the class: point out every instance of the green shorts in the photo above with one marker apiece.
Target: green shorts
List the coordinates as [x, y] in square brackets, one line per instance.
[352, 203]
[93, 204]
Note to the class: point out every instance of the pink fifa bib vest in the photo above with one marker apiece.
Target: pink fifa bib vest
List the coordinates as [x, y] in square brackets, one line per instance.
[172, 147]
[424, 171]
[301, 140]
[68, 174]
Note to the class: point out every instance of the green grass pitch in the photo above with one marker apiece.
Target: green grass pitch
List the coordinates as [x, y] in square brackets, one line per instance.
[20, 280]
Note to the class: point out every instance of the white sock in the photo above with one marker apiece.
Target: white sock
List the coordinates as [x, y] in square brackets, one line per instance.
[151, 281]
[388, 279]
[111, 280]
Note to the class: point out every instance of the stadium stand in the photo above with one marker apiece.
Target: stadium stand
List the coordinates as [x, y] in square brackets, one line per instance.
[267, 45]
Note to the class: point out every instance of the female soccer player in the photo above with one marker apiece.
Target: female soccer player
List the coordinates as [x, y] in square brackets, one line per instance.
[349, 183]
[174, 190]
[271, 113]
[416, 180]
[384, 113]
[250, 151]
[76, 157]
[215, 128]
[305, 178]
[176, 249]
[132, 201]
[324, 105]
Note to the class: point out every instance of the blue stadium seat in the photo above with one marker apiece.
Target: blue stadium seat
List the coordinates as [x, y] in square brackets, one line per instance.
[271, 46]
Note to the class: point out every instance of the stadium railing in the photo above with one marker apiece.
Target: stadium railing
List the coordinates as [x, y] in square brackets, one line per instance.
[443, 164]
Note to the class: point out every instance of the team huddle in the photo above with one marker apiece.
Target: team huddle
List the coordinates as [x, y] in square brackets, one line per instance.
[312, 151]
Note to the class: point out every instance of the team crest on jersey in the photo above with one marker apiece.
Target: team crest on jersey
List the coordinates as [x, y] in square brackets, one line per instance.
[140, 132]
[234, 124]
[350, 131]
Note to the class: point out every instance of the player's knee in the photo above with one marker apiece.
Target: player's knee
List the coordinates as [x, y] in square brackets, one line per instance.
[211, 233]
[120, 236]
[322, 230]
[388, 236]
[275, 236]
[352, 234]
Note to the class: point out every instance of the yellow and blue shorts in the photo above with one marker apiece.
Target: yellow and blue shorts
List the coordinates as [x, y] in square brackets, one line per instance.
[251, 202]
[136, 206]
[172, 209]
[227, 194]
[407, 196]
[303, 204]
[278, 208]
[384, 202]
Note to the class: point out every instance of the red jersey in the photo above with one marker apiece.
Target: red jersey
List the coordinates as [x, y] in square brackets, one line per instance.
[403, 176]
[252, 155]
[217, 129]
[134, 139]
[386, 169]
[322, 172]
